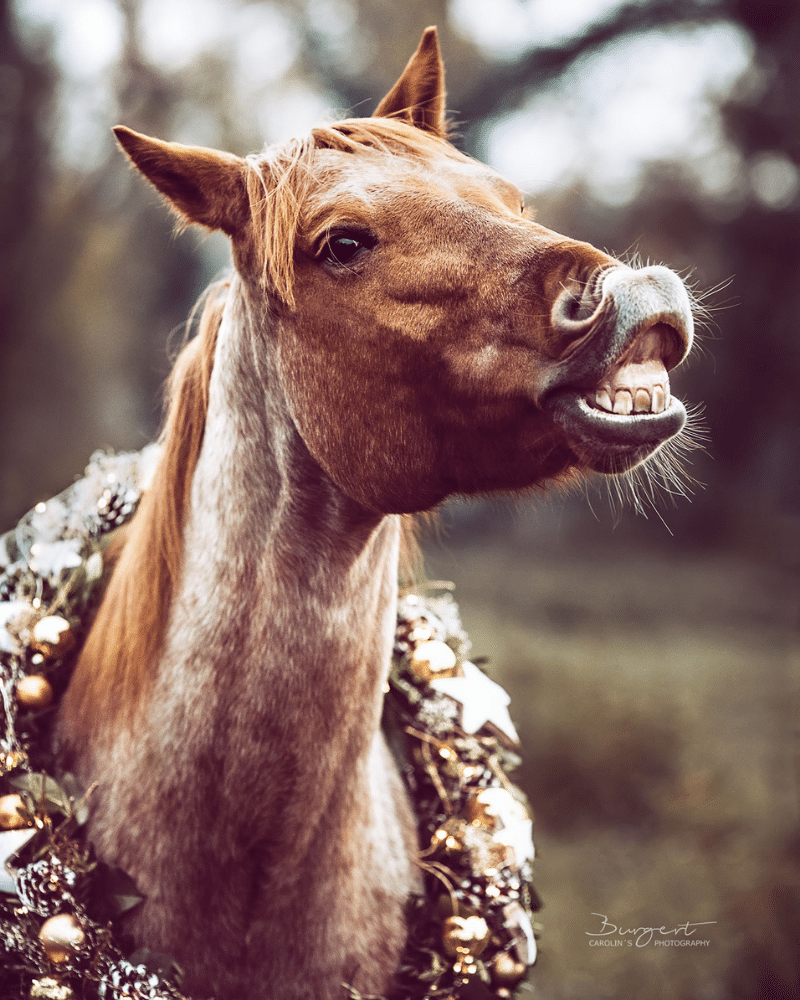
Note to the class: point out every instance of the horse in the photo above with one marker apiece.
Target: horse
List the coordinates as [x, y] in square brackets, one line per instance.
[396, 330]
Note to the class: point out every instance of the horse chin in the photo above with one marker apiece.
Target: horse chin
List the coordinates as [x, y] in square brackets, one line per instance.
[611, 442]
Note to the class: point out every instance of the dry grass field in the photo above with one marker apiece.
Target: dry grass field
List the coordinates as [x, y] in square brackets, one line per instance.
[656, 694]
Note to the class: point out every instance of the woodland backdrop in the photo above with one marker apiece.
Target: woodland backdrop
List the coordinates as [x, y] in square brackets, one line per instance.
[653, 659]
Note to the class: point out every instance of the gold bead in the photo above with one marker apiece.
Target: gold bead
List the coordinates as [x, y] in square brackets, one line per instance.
[494, 808]
[433, 659]
[439, 837]
[34, 691]
[10, 818]
[507, 971]
[465, 966]
[62, 937]
[465, 936]
[52, 636]
[50, 988]
[503, 993]
[449, 837]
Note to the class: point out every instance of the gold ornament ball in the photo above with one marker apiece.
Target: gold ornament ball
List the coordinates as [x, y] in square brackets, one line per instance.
[34, 691]
[62, 937]
[10, 818]
[507, 971]
[49, 988]
[465, 935]
[433, 659]
[52, 636]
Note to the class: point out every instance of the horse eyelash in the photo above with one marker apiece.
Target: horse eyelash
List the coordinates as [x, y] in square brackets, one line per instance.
[325, 252]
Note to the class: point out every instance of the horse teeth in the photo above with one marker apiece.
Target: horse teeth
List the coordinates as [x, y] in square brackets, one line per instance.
[603, 400]
[626, 401]
[623, 402]
[634, 388]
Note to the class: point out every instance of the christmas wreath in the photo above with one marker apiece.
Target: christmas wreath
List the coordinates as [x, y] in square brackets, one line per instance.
[471, 934]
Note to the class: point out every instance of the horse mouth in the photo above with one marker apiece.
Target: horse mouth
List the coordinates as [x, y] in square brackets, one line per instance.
[629, 412]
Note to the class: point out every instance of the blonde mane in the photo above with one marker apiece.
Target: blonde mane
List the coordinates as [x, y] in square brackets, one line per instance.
[127, 635]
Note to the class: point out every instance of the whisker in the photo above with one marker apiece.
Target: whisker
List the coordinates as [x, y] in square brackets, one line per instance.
[663, 477]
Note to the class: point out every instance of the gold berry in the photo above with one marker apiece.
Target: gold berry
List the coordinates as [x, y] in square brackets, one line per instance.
[62, 937]
[450, 836]
[10, 818]
[34, 691]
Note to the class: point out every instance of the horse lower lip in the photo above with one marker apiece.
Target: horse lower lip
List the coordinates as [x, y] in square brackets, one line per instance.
[600, 436]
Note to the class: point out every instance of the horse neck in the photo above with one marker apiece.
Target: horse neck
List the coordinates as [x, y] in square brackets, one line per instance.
[283, 620]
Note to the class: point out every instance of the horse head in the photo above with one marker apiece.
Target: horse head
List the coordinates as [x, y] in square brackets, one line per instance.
[430, 337]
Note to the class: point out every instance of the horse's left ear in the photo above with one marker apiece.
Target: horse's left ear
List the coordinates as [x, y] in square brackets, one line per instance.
[418, 96]
[202, 185]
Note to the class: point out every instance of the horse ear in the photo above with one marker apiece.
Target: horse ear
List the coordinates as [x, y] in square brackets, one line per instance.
[418, 96]
[202, 185]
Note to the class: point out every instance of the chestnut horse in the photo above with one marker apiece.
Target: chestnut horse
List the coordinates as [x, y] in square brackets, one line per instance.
[397, 330]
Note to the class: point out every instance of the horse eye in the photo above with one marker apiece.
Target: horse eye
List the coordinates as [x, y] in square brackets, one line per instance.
[343, 248]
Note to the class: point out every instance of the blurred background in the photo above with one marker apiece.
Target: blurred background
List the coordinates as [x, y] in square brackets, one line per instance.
[652, 656]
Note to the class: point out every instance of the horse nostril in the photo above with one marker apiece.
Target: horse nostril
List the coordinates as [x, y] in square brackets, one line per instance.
[574, 315]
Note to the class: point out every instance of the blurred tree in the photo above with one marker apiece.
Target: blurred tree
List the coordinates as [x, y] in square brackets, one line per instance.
[360, 65]
[82, 327]
[26, 89]
[761, 405]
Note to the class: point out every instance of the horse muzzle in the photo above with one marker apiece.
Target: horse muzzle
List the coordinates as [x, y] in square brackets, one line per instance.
[619, 336]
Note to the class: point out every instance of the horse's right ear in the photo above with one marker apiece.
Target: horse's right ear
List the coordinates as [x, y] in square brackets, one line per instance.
[418, 96]
[201, 185]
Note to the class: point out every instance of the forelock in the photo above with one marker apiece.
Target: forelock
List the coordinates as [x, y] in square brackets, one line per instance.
[280, 179]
